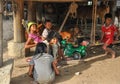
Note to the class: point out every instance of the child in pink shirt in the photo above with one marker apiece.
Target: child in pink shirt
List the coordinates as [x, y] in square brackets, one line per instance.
[32, 35]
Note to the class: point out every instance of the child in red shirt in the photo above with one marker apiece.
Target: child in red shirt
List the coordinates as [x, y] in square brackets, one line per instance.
[108, 30]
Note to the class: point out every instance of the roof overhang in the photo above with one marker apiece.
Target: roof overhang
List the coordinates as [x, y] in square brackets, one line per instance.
[58, 0]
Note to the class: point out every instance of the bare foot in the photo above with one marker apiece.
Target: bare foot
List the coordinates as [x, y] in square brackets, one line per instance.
[106, 53]
[113, 55]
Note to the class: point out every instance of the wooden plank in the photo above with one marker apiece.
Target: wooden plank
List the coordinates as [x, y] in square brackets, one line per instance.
[64, 0]
[59, 0]
[99, 44]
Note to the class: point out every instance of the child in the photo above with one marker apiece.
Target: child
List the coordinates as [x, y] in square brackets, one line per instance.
[48, 26]
[54, 40]
[77, 36]
[108, 30]
[47, 29]
[32, 35]
[42, 67]
[54, 46]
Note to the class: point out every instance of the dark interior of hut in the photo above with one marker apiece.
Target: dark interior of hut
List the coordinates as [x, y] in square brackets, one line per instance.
[56, 12]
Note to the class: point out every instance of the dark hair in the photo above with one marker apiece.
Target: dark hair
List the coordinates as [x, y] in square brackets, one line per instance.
[108, 15]
[47, 21]
[40, 48]
[53, 34]
[39, 22]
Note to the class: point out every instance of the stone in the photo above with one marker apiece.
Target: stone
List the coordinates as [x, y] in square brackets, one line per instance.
[6, 71]
[17, 50]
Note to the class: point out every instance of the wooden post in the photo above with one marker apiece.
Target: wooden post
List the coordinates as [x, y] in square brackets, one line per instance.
[1, 34]
[39, 10]
[114, 9]
[31, 11]
[93, 29]
[19, 31]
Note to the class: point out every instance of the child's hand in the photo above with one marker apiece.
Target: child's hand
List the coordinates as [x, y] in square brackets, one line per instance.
[30, 75]
[35, 43]
[57, 72]
[28, 59]
[55, 61]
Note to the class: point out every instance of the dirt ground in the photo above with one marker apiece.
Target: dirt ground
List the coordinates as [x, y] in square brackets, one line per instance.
[96, 68]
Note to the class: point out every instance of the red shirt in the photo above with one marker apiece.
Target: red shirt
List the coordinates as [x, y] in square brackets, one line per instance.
[108, 33]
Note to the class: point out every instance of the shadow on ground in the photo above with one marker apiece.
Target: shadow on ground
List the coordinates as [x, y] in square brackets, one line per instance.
[67, 71]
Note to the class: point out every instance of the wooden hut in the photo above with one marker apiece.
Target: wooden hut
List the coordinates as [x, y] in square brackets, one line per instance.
[16, 46]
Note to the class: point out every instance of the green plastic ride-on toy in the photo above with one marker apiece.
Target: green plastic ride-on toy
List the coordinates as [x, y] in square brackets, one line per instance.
[75, 52]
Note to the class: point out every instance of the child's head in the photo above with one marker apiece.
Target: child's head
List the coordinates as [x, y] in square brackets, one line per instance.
[76, 30]
[52, 37]
[32, 26]
[48, 24]
[41, 48]
[53, 40]
[108, 19]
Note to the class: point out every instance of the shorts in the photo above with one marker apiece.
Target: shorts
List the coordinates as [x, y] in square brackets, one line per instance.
[49, 81]
[110, 46]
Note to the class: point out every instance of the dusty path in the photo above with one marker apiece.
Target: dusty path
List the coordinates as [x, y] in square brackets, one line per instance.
[95, 69]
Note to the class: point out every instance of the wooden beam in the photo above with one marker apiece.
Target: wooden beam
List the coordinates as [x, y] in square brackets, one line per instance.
[19, 35]
[66, 17]
[31, 11]
[93, 29]
[1, 33]
[99, 44]
[59, 0]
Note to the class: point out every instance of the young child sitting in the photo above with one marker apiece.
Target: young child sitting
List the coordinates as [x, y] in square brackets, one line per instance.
[32, 35]
[54, 39]
[42, 66]
[107, 37]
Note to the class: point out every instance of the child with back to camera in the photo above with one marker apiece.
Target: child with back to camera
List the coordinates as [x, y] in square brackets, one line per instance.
[42, 66]
[107, 37]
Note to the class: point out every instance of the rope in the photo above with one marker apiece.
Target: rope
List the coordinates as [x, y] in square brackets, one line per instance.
[73, 9]
[93, 22]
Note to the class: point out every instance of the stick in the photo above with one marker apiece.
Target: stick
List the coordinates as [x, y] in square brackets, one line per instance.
[61, 27]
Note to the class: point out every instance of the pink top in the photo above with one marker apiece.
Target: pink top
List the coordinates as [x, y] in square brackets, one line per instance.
[35, 37]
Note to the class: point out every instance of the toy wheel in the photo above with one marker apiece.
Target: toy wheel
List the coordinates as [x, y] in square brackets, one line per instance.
[76, 56]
